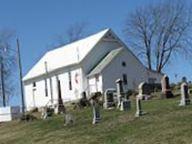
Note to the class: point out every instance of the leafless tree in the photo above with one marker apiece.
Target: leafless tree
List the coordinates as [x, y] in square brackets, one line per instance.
[7, 64]
[160, 31]
[75, 32]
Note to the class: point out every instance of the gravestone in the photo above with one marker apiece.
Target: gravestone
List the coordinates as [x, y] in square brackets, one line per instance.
[184, 95]
[139, 111]
[83, 102]
[144, 90]
[184, 79]
[68, 119]
[123, 104]
[119, 84]
[96, 107]
[47, 112]
[60, 108]
[44, 114]
[109, 101]
[166, 89]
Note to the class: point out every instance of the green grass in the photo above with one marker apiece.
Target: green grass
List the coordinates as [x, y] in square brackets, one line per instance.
[164, 123]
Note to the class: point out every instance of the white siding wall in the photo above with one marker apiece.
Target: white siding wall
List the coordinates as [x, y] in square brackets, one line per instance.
[95, 84]
[94, 57]
[40, 96]
[28, 96]
[97, 54]
[134, 70]
[75, 93]
[38, 99]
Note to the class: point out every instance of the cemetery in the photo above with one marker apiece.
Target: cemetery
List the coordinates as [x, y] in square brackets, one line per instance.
[111, 118]
[126, 79]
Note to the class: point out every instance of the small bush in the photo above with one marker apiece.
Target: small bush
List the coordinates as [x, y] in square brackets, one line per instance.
[28, 117]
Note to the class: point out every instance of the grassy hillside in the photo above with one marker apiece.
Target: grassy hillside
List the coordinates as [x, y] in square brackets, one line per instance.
[165, 123]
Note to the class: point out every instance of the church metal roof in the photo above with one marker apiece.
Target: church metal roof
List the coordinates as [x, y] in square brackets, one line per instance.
[66, 55]
[105, 62]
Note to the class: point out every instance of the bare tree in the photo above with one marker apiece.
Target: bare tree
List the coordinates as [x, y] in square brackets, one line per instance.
[7, 65]
[75, 32]
[159, 31]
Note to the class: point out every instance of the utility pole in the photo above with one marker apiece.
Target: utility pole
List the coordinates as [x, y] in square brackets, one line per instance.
[2, 83]
[20, 76]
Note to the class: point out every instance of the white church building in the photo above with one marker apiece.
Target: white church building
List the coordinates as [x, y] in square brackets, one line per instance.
[88, 65]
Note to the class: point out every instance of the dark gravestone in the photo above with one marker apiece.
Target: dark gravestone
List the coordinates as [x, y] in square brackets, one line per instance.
[125, 105]
[60, 107]
[109, 99]
[83, 102]
[47, 112]
[184, 79]
[166, 89]
[144, 90]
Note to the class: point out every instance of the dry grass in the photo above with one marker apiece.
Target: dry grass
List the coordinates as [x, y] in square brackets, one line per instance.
[165, 123]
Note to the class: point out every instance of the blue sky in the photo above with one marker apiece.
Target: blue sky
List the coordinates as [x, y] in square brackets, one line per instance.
[38, 22]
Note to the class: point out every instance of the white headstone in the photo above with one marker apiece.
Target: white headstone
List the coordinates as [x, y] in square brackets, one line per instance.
[96, 112]
[119, 84]
[139, 111]
[68, 119]
[184, 95]
[96, 107]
